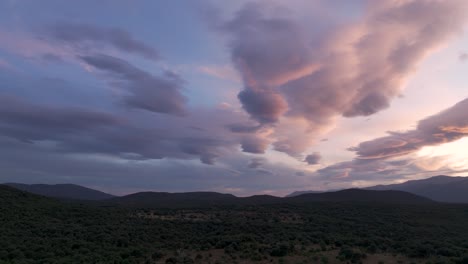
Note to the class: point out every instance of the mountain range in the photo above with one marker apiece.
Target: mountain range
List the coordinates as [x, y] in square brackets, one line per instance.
[208, 199]
[359, 195]
[438, 188]
[297, 193]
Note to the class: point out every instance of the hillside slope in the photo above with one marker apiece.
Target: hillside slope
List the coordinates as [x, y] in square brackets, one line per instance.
[207, 199]
[169, 200]
[358, 195]
[438, 188]
[63, 191]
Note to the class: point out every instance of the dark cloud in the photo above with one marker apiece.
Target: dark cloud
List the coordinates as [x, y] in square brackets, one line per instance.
[126, 176]
[446, 126]
[263, 171]
[74, 129]
[205, 148]
[29, 122]
[313, 158]
[77, 130]
[266, 51]
[264, 106]
[158, 140]
[160, 94]
[254, 144]
[355, 69]
[84, 34]
[243, 128]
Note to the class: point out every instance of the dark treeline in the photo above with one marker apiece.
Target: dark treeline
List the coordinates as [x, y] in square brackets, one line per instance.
[35, 229]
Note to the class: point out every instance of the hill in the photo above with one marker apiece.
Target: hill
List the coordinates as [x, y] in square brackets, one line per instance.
[62, 191]
[207, 199]
[439, 188]
[260, 200]
[358, 195]
[190, 200]
[297, 193]
[170, 200]
[10, 196]
[21, 203]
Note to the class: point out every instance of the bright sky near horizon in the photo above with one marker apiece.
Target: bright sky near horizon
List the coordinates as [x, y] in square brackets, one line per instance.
[236, 96]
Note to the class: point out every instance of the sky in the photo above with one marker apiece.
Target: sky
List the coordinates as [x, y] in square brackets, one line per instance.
[241, 97]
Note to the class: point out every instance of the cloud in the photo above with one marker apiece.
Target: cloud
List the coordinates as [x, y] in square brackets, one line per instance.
[256, 163]
[354, 69]
[203, 147]
[29, 46]
[264, 105]
[363, 173]
[294, 136]
[79, 130]
[159, 94]
[358, 170]
[432, 163]
[267, 52]
[28, 122]
[243, 128]
[254, 144]
[463, 56]
[123, 176]
[393, 156]
[313, 159]
[297, 80]
[262, 50]
[446, 126]
[63, 42]
[82, 35]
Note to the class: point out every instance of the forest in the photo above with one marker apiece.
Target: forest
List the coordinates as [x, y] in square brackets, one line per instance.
[36, 229]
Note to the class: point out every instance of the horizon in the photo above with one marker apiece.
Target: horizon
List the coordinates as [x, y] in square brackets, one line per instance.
[245, 97]
[201, 190]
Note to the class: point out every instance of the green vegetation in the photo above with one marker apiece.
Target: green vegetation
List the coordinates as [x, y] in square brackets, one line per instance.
[34, 229]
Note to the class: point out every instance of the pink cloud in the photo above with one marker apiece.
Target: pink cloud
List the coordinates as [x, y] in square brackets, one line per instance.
[390, 157]
[356, 69]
